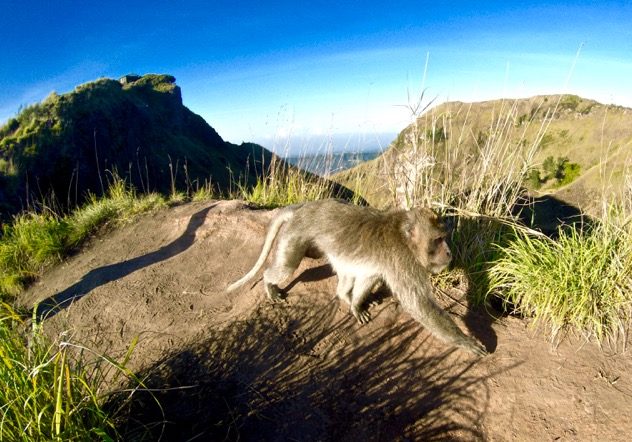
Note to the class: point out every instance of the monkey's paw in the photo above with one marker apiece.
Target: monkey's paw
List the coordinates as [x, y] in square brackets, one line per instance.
[275, 294]
[375, 303]
[474, 346]
[362, 315]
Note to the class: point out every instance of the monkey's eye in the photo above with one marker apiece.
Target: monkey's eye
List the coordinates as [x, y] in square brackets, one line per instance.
[439, 240]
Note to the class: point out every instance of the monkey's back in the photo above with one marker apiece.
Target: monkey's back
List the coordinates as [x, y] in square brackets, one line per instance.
[347, 231]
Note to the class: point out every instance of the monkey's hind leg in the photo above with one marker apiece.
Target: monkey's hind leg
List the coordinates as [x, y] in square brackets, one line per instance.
[361, 291]
[345, 287]
[290, 252]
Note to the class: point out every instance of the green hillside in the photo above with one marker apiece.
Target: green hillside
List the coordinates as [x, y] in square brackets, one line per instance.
[591, 142]
[137, 126]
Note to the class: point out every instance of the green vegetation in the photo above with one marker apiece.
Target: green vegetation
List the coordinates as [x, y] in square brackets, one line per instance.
[284, 184]
[570, 173]
[570, 102]
[34, 241]
[50, 391]
[534, 179]
[560, 171]
[141, 129]
[581, 280]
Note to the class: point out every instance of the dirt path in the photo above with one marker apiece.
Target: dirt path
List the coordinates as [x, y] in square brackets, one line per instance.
[305, 370]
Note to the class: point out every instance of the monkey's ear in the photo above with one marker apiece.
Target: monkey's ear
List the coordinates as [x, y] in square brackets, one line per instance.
[410, 226]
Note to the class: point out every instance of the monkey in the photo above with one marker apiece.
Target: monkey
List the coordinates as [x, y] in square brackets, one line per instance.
[365, 246]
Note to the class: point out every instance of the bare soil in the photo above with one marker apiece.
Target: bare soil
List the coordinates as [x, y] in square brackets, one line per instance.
[236, 367]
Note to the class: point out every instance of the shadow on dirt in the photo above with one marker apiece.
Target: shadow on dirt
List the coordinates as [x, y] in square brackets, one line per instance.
[548, 214]
[102, 275]
[275, 378]
[478, 323]
[312, 274]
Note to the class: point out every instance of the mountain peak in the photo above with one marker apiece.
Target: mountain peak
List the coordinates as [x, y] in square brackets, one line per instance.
[136, 126]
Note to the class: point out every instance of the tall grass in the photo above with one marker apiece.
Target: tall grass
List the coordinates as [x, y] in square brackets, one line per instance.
[472, 172]
[47, 392]
[282, 184]
[31, 243]
[120, 205]
[581, 281]
[35, 241]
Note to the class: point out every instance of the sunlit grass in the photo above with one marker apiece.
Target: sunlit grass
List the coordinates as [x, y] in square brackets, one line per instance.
[35, 241]
[284, 184]
[476, 178]
[580, 281]
[48, 392]
[30, 243]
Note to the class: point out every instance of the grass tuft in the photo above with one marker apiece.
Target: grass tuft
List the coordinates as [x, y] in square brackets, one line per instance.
[32, 242]
[582, 281]
[284, 184]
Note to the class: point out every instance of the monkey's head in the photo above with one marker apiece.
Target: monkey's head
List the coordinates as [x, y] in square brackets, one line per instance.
[426, 234]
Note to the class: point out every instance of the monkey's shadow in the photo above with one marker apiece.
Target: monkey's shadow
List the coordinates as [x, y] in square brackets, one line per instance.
[312, 274]
[479, 323]
[102, 275]
[254, 380]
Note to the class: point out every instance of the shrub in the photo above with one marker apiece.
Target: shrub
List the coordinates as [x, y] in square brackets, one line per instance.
[30, 243]
[570, 102]
[570, 174]
[534, 180]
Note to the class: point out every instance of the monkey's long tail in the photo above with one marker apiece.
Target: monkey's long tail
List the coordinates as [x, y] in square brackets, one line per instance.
[285, 215]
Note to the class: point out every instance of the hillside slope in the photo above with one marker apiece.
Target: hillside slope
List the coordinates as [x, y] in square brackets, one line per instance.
[595, 136]
[234, 367]
[137, 126]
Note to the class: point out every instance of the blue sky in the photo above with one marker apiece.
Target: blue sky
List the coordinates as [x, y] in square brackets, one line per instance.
[272, 71]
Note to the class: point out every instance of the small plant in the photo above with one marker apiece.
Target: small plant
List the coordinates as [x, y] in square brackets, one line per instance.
[30, 243]
[550, 167]
[570, 102]
[534, 180]
[559, 170]
[570, 173]
[204, 193]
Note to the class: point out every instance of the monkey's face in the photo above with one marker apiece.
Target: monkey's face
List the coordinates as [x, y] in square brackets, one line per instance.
[428, 236]
[439, 254]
